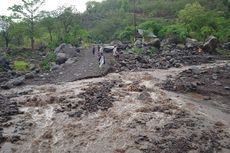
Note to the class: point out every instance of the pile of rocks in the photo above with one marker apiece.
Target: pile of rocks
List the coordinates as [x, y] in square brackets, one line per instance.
[4, 64]
[65, 52]
[11, 79]
[166, 59]
[205, 81]
[93, 98]
[169, 54]
[7, 109]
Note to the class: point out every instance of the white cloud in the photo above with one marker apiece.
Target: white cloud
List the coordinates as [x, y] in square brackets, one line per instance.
[49, 5]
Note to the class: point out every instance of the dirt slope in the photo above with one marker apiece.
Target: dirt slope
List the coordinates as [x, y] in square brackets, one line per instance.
[86, 66]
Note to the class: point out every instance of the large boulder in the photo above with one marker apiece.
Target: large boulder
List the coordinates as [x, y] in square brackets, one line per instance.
[210, 45]
[60, 47]
[108, 48]
[14, 82]
[4, 64]
[123, 47]
[61, 58]
[226, 45]
[116, 42]
[154, 43]
[69, 50]
[192, 43]
[138, 43]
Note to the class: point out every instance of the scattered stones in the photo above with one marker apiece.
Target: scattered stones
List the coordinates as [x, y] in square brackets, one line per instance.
[226, 45]
[7, 109]
[15, 138]
[166, 59]
[4, 64]
[219, 124]
[207, 98]
[135, 87]
[13, 82]
[209, 82]
[214, 76]
[2, 139]
[144, 96]
[93, 98]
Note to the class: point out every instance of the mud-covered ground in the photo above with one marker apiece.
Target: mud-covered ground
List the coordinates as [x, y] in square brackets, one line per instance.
[210, 84]
[122, 112]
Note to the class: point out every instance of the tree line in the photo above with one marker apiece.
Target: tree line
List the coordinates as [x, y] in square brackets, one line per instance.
[113, 19]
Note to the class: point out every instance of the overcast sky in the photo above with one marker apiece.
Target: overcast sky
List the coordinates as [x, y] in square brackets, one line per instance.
[49, 5]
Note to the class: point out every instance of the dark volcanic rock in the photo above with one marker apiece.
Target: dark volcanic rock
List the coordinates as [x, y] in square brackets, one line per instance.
[210, 45]
[97, 97]
[192, 43]
[4, 64]
[93, 98]
[13, 82]
[7, 109]
[210, 82]
[2, 139]
[164, 60]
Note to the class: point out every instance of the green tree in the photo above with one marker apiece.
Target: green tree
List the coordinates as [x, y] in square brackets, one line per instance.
[48, 21]
[193, 16]
[153, 26]
[175, 31]
[66, 18]
[18, 33]
[28, 11]
[5, 23]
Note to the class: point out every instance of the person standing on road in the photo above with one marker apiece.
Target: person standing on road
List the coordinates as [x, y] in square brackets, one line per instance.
[102, 61]
[93, 50]
[101, 57]
[115, 52]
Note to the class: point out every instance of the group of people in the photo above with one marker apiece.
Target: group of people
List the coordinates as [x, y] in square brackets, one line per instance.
[100, 54]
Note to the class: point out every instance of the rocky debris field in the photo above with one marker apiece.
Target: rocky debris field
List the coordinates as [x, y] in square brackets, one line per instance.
[74, 63]
[93, 98]
[164, 60]
[122, 113]
[212, 83]
[7, 109]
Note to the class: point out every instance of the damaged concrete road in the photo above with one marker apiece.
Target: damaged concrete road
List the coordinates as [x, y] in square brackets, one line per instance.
[130, 114]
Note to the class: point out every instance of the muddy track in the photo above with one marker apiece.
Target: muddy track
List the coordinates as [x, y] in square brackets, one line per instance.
[85, 67]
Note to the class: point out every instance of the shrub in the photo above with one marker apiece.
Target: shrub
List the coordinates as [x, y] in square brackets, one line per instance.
[50, 57]
[137, 51]
[151, 26]
[127, 34]
[1, 68]
[152, 51]
[21, 65]
[176, 31]
[205, 32]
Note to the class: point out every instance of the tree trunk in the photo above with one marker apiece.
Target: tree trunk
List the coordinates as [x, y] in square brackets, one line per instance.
[6, 37]
[32, 42]
[51, 37]
[7, 43]
[32, 32]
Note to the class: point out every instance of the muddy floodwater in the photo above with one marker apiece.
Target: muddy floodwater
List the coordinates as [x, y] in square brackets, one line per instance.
[126, 112]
